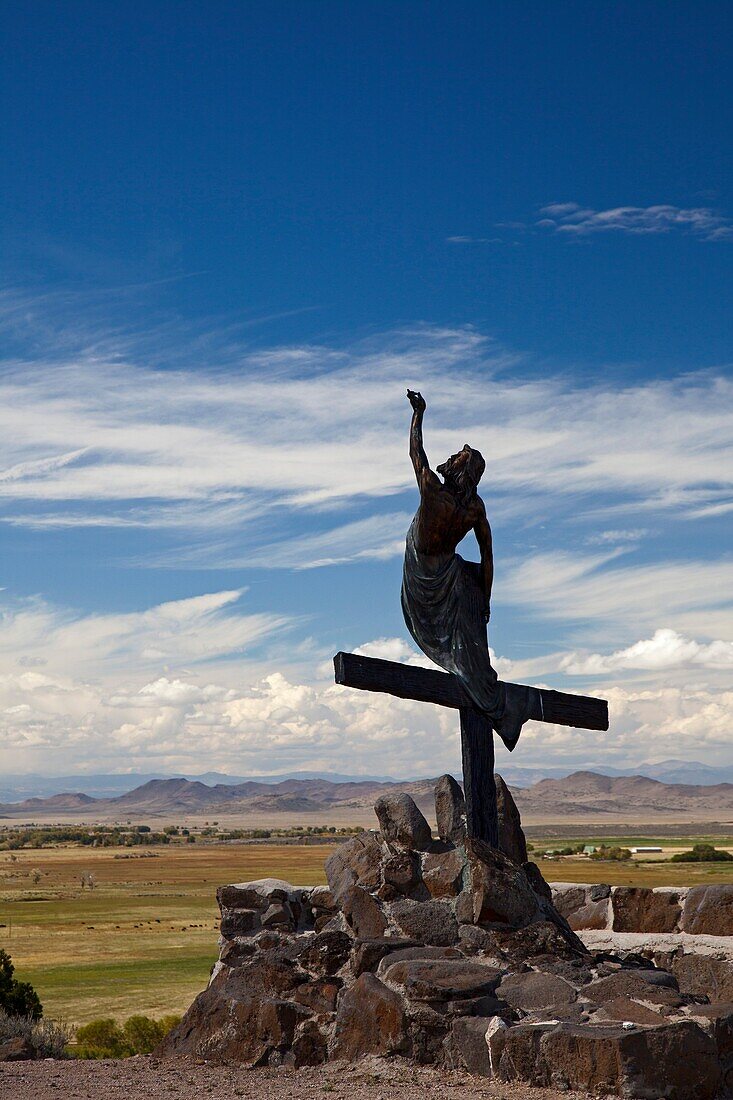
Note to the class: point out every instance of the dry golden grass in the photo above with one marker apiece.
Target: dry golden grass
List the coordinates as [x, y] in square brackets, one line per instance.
[144, 939]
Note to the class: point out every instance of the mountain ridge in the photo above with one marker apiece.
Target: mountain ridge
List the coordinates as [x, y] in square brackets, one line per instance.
[583, 791]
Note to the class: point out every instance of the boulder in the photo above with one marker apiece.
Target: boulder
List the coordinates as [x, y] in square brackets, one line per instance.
[583, 907]
[421, 951]
[639, 909]
[310, 1045]
[717, 1021]
[367, 954]
[321, 899]
[363, 913]
[442, 871]
[703, 976]
[402, 871]
[246, 1029]
[258, 894]
[536, 881]
[468, 1044]
[677, 1061]
[511, 837]
[401, 822]
[279, 915]
[441, 979]
[355, 863]
[498, 892]
[320, 995]
[370, 1020]
[239, 922]
[533, 989]
[267, 974]
[432, 922]
[650, 986]
[625, 1010]
[326, 953]
[708, 911]
[450, 810]
[16, 1049]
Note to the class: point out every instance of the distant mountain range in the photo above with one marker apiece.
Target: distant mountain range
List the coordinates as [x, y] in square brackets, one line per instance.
[16, 788]
[583, 792]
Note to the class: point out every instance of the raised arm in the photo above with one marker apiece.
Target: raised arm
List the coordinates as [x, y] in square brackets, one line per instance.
[482, 532]
[419, 459]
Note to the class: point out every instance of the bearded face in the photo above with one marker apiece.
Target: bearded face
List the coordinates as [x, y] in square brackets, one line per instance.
[462, 472]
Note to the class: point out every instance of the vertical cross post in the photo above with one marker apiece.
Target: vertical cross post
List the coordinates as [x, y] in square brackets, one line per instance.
[477, 751]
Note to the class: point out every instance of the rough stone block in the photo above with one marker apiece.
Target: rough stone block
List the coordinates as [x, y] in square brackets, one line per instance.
[443, 872]
[239, 922]
[310, 1045]
[450, 810]
[441, 979]
[625, 1010]
[402, 871]
[499, 889]
[468, 1040]
[355, 863]
[367, 954]
[401, 822]
[511, 836]
[432, 922]
[677, 1061]
[363, 913]
[704, 976]
[326, 952]
[320, 995]
[533, 989]
[639, 909]
[708, 911]
[370, 1020]
[651, 986]
[258, 894]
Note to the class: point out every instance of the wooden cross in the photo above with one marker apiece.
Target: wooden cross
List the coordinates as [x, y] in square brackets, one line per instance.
[477, 741]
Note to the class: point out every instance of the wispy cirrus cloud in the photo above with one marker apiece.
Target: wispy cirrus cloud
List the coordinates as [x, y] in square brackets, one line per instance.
[699, 221]
[237, 457]
[603, 592]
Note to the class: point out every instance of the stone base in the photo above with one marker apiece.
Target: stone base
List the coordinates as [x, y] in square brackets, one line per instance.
[448, 952]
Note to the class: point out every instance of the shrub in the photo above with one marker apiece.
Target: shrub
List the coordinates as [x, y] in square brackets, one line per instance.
[611, 853]
[702, 853]
[47, 1038]
[17, 998]
[138, 1035]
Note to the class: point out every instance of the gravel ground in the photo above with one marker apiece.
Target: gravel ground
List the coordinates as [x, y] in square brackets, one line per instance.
[148, 1078]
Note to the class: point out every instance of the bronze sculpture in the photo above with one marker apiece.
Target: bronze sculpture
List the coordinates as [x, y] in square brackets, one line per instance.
[446, 601]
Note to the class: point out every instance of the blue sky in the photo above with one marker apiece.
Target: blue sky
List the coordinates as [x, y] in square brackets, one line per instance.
[234, 234]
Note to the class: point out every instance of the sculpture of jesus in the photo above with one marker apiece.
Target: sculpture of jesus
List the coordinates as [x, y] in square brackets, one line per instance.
[446, 601]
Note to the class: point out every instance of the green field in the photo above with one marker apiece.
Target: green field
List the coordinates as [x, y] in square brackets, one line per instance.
[145, 938]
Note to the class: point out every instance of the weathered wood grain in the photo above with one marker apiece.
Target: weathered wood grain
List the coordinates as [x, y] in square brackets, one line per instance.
[430, 686]
[477, 753]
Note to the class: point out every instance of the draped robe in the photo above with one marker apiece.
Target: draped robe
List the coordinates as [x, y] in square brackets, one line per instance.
[443, 602]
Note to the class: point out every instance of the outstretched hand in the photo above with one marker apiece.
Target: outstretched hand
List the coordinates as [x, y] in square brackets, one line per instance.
[417, 400]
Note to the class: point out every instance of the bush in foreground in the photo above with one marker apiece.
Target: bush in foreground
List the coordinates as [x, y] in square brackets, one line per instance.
[702, 853]
[47, 1038]
[105, 1038]
[17, 998]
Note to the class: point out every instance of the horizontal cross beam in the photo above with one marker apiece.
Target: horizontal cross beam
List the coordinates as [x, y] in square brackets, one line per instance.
[430, 686]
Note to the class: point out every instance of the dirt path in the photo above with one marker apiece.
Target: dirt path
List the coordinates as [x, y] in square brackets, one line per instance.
[180, 1079]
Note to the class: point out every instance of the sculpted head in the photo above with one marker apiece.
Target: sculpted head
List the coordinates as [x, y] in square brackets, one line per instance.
[462, 472]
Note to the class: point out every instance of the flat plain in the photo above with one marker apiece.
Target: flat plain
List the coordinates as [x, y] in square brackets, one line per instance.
[145, 937]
